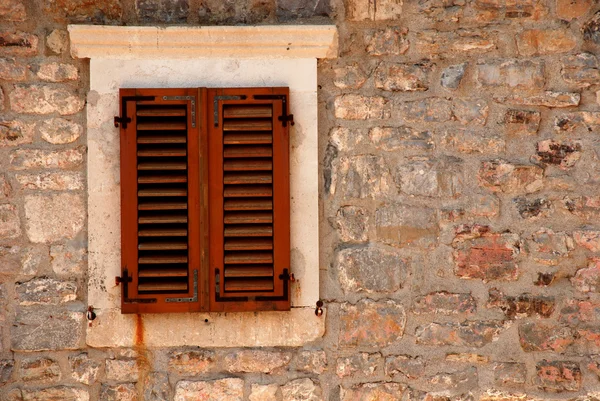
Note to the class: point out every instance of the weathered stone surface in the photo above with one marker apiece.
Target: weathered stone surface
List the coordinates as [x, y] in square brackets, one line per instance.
[388, 41]
[302, 390]
[361, 364]
[451, 44]
[401, 138]
[522, 122]
[57, 41]
[163, 11]
[235, 12]
[588, 239]
[156, 387]
[575, 312]
[264, 392]
[17, 43]
[361, 176]
[371, 324]
[514, 74]
[371, 270]
[373, 391]
[45, 291]
[463, 379]
[587, 279]
[467, 334]
[502, 176]
[256, 361]
[39, 369]
[12, 10]
[350, 77]
[398, 77]
[591, 29]
[10, 224]
[56, 72]
[470, 111]
[15, 132]
[510, 373]
[472, 141]
[501, 9]
[44, 99]
[531, 208]
[440, 177]
[586, 207]
[570, 9]
[534, 42]
[68, 260]
[216, 390]
[11, 69]
[291, 9]
[547, 99]
[548, 247]
[569, 122]
[54, 217]
[453, 75]
[51, 181]
[558, 376]
[5, 188]
[539, 336]
[346, 139]
[351, 223]
[83, 368]
[6, 370]
[564, 154]
[481, 254]
[587, 340]
[432, 109]
[581, 69]
[39, 328]
[405, 366]
[464, 357]
[496, 395]
[62, 393]
[358, 107]
[357, 10]
[119, 392]
[524, 305]
[37, 158]
[311, 361]
[400, 225]
[444, 303]
[191, 363]
[83, 11]
[122, 370]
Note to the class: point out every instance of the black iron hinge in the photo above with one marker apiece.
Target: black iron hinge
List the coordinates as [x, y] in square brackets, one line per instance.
[125, 279]
[284, 117]
[123, 119]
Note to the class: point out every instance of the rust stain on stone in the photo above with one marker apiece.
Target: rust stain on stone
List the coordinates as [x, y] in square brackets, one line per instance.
[139, 331]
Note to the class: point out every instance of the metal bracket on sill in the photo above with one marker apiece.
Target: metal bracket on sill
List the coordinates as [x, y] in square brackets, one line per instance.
[123, 119]
[192, 299]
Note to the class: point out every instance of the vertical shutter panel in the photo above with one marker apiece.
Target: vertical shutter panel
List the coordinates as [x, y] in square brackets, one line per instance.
[249, 200]
[160, 204]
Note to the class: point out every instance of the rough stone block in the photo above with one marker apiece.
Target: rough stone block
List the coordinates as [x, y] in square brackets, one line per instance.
[535, 42]
[358, 10]
[371, 324]
[514, 74]
[558, 376]
[524, 305]
[119, 392]
[472, 141]
[56, 72]
[563, 154]
[346, 140]
[156, 387]
[444, 303]
[191, 363]
[11, 69]
[373, 391]
[68, 260]
[400, 225]
[586, 207]
[256, 361]
[452, 75]
[232, 11]
[502, 176]
[591, 29]
[163, 11]
[37, 158]
[509, 373]
[311, 362]
[45, 291]
[83, 368]
[6, 370]
[576, 312]
[44, 99]
[393, 139]
[57, 41]
[398, 77]
[587, 239]
[586, 121]
[587, 279]
[264, 392]
[470, 111]
[39, 328]
[12, 10]
[122, 370]
[10, 224]
[541, 336]
[102, 13]
[351, 223]
[501, 9]
[571, 9]
[405, 366]
[15, 132]
[467, 357]
[549, 247]
[350, 77]
[17, 43]
[229, 389]
[522, 122]
[292, 9]
[532, 208]
[63, 393]
[388, 41]
[359, 364]
[436, 44]
[39, 369]
[5, 187]
[302, 390]
[51, 181]
[358, 107]
[54, 217]
[547, 99]
[465, 379]
[581, 69]
[467, 334]
[361, 176]
[436, 110]
[371, 270]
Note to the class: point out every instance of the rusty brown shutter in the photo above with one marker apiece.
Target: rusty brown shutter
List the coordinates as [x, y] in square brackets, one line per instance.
[249, 199]
[161, 200]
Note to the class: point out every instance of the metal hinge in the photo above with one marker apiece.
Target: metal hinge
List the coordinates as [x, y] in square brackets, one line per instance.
[125, 280]
[192, 99]
[285, 117]
[216, 105]
[123, 119]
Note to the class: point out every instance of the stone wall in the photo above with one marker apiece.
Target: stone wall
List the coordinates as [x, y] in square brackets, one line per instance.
[460, 249]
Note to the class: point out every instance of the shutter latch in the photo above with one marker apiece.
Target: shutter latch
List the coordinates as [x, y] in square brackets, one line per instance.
[125, 280]
[284, 117]
[123, 119]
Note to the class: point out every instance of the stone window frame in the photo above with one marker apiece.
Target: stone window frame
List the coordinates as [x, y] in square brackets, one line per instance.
[223, 56]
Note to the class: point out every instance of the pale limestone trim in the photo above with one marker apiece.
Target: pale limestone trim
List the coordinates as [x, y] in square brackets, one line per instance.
[272, 41]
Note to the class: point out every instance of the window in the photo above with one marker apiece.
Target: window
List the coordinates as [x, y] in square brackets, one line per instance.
[205, 200]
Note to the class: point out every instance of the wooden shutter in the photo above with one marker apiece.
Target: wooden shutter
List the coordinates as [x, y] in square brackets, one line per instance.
[162, 207]
[249, 199]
